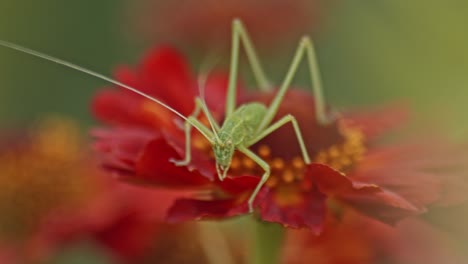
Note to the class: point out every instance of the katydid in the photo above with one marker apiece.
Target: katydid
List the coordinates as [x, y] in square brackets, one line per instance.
[243, 126]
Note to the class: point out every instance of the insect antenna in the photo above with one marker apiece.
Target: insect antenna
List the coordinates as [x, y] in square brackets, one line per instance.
[97, 75]
[205, 70]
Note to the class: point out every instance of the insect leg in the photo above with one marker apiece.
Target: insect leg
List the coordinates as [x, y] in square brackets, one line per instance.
[305, 46]
[201, 104]
[297, 130]
[265, 175]
[257, 69]
[187, 129]
[239, 34]
[316, 80]
[193, 121]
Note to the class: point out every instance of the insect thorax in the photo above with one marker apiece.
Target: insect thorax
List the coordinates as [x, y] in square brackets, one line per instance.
[242, 125]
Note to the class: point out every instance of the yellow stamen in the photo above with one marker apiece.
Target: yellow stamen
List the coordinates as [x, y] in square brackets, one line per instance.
[288, 176]
[235, 163]
[334, 152]
[272, 181]
[277, 164]
[297, 163]
[264, 151]
[248, 163]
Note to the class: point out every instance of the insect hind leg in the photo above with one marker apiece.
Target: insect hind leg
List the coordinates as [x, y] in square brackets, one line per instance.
[240, 36]
[264, 177]
[305, 48]
[316, 80]
[283, 121]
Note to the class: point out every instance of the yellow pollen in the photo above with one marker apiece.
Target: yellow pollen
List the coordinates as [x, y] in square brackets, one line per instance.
[264, 151]
[342, 156]
[300, 175]
[321, 159]
[235, 163]
[360, 150]
[272, 181]
[336, 165]
[158, 112]
[199, 143]
[345, 161]
[288, 195]
[248, 163]
[334, 152]
[288, 176]
[277, 164]
[297, 163]
[349, 149]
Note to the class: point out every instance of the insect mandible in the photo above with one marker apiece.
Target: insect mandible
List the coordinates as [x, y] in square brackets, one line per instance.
[243, 126]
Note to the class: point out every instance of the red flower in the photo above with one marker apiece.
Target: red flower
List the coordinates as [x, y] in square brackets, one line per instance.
[203, 23]
[385, 182]
[53, 196]
[146, 136]
[356, 239]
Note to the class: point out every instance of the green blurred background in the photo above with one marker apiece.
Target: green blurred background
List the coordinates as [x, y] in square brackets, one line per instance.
[85, 32]
[371, 53]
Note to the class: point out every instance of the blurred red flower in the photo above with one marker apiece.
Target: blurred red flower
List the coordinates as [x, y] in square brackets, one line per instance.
[54, 196]
[350, 167]
[356, 239]
[203, 24]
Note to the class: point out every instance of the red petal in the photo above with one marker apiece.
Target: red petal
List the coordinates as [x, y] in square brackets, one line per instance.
[238, 184]
[123, 219]
[9, 254]
[191, 209]
[240, 187]
[121, 147]
[117, 108]
[364, 240]
[424, 175]
[164, 74]
[368, 198]
[154, 166]
[379, 121]
[126, 75]
[358, 239]
[310, 213]
[138, 217]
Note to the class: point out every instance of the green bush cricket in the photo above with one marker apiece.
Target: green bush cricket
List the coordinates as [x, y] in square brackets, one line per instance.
[243, 126]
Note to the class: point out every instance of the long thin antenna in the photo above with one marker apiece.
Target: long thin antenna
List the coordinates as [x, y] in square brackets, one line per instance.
[95, 74]
[213, 124]
[203, 75]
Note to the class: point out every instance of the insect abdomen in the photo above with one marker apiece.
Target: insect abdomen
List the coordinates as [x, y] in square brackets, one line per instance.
[243, 123]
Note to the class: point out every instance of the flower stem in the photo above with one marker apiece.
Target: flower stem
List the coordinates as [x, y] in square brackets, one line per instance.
[213, 241]
[268, 243]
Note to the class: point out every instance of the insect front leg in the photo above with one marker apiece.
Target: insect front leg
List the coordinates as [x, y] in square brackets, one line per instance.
[297, 130]
[192, 121]
[264, 177]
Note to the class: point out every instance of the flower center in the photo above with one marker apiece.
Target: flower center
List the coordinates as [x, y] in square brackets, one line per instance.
[341, 156]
